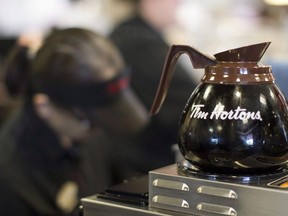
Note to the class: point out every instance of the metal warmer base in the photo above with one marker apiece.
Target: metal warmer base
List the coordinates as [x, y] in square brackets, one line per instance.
[176, 190]
[216, 196]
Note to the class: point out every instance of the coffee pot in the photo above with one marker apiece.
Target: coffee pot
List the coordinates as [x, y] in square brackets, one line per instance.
[236, 120]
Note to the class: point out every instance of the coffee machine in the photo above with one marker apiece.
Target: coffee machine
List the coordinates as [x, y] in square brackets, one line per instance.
[233, 135]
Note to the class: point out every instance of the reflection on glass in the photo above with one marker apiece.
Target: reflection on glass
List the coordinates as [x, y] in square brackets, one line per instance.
[262, 100]
[207, 92]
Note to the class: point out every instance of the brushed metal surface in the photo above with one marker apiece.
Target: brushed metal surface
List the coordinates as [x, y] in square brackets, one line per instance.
[92, 206]
[216, 191]
[170, 184]
[207, 197]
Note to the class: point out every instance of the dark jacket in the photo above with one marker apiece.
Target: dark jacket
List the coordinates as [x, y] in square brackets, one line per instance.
[33, 166]
[144, 49]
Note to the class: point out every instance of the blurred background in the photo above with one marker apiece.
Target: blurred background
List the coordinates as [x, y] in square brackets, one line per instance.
[211, 26]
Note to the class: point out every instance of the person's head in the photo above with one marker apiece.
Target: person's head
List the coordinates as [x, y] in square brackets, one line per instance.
[76, 80]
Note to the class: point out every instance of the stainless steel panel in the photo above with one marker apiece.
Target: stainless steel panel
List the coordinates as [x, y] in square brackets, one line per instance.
[216, 191]
[221, 210]
[93, 206]
[257, 199]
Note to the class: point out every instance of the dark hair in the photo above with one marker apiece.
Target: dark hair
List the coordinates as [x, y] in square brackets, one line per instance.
[16, 67]
[68, 58]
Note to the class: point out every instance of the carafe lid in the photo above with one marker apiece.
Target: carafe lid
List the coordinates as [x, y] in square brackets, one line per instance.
[240, 66]
[251, 53]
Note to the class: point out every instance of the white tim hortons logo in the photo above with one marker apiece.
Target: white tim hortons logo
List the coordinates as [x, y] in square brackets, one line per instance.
[219, 113]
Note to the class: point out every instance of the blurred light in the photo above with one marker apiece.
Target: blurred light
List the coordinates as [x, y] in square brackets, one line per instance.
[238, 94]
[219, 128]
[277, 2]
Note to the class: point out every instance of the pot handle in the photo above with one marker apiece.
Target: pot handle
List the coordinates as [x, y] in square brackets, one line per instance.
[198, 60]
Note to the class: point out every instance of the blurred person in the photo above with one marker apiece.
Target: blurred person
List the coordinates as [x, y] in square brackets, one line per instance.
[142, 43]
[26, 22]
[72, 89]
